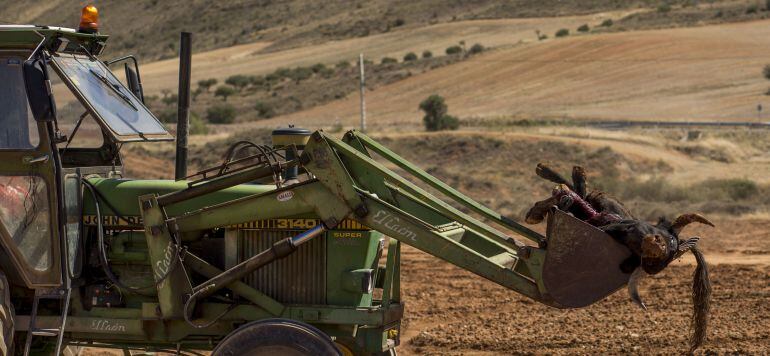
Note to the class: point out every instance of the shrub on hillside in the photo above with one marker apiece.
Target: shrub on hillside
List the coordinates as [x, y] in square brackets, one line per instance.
[562, 33]
[429, 54]
[583, 28]
[299, 74]
[436, 117]
[166, 115]
[752, 9]
[342, 64]
[170, 99]
[399, 22]
[664, 8]
[766, 72]
[410, 57]
[206, 84]
[607, 23]
[453, 50]
[318, 67]
[258, 80]
[264, 110]
[283, 72]
[728, 189]
[272, 78]
[387, 60]
[221, 114]
[224, 91]
[238, 81]
[197, 125]
[476, 48]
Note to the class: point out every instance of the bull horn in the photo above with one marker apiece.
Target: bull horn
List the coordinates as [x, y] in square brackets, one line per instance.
[685, 219]
[633, 287]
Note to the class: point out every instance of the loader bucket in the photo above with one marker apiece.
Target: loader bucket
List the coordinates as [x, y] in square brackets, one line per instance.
[582, 263]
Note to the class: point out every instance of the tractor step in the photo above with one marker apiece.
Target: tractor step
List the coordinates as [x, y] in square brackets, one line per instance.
[55, 293]
[46, 332]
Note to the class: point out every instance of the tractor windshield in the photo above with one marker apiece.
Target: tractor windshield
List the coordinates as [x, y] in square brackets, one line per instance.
[108, 100]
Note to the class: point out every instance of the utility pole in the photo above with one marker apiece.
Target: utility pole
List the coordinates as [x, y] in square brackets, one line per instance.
[183, 107]
[363, 87]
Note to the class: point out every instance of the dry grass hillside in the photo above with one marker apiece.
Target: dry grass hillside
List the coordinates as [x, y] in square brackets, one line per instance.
[704, 73]
[153, 27]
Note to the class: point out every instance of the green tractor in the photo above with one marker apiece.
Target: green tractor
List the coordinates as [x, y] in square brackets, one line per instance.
[287, 248]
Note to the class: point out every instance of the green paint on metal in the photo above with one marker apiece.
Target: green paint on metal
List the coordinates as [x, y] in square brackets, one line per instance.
[173, 281]
[350, 251]
[444, 188]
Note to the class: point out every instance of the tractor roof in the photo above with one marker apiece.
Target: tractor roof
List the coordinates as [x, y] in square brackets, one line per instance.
[54, 39]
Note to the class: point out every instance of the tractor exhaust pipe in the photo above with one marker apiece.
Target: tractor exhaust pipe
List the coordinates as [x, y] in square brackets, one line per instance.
[183, 108]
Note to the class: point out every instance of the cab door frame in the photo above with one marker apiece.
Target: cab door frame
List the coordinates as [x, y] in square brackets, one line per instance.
[41, 162]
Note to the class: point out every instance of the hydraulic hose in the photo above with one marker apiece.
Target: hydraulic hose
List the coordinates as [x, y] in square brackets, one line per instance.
[103, 252]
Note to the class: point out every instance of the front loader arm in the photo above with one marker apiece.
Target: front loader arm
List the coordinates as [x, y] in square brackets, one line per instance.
[382, 200]
[344, 182]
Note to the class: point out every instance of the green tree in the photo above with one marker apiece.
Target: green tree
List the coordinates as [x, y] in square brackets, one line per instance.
[562, 33]
[238, 81]
[221, 114]
[436, 117]
[476, 49]
[387, 60]
[429, 54]
[766, 72]
[411, 56]
[453, 50]
[583, 28]
[607, 23]
[206, 84]
[224, 91]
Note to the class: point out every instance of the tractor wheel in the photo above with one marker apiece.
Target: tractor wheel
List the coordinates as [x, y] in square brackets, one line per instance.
[6, 317]
[276, 337]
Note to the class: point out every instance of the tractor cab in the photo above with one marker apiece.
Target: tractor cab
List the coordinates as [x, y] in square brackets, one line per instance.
[63, 115]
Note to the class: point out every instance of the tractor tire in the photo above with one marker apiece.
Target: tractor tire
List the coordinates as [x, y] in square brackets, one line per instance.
[274, 337]
[6, 317]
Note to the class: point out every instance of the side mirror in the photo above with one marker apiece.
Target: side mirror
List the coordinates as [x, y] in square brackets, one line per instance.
[133, 82]
[39, 93]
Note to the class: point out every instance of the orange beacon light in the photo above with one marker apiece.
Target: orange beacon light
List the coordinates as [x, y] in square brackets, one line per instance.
[89, 20]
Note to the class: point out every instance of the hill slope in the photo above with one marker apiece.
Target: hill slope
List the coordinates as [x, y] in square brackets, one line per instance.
[710, 72]
[153, 27]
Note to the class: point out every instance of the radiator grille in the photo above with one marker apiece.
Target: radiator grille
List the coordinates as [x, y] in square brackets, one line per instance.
[299, 278]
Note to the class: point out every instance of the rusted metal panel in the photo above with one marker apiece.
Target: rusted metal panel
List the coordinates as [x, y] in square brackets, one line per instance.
[582, 263]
